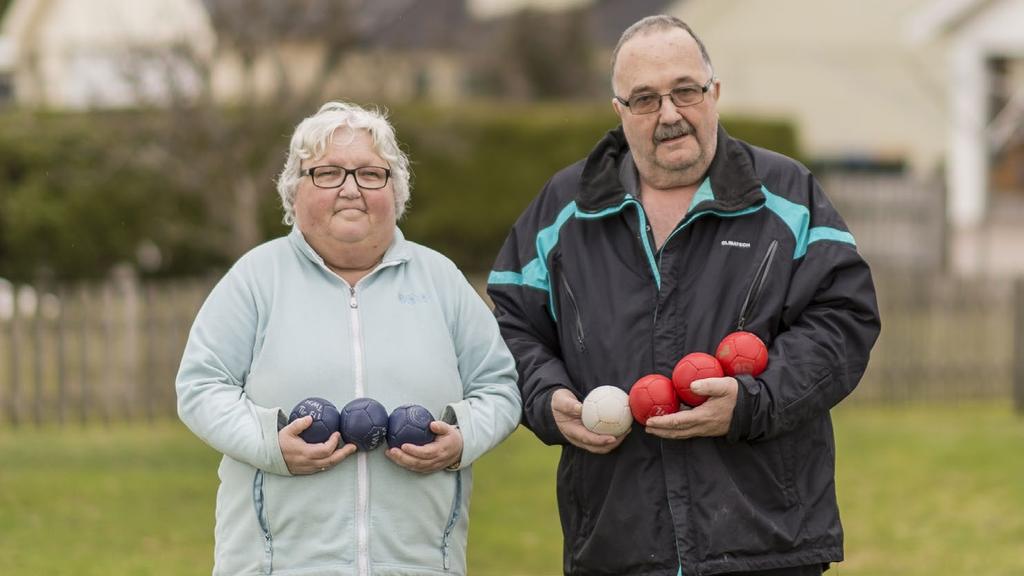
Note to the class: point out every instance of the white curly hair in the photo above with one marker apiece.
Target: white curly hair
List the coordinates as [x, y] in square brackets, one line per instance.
[314, 134]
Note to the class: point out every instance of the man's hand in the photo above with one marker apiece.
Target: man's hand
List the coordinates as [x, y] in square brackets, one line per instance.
[567, 410]
[303, 458]
[712, 418]
[444, 451]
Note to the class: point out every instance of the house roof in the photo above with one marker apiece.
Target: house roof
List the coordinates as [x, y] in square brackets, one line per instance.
[412, 25]
[395, 24]
[608, 18]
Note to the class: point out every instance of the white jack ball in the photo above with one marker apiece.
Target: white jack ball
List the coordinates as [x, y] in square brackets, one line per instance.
[606, 411]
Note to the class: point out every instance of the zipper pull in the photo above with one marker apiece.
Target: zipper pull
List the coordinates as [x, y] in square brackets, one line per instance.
[756, 286]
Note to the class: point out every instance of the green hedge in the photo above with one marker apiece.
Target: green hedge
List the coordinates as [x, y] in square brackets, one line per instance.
[75, 200]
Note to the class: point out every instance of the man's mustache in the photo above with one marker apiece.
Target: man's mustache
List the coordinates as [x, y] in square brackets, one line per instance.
[669, 131]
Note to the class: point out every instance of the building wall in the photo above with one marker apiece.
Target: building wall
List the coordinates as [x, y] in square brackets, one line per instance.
[844, 71]
[74, 54]
[995, 31]
[988, 239]
[112, 53]
[367, 76]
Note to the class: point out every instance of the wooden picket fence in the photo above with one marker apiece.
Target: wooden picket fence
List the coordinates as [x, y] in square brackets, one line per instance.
[93, 352]
[898, 221]
[109, 351]
[943, 339]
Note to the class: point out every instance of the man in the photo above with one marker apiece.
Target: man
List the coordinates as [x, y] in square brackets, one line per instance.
[669, 236]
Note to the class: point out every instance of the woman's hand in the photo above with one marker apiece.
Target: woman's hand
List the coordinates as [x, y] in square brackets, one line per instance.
[303, 458]
[444, 451]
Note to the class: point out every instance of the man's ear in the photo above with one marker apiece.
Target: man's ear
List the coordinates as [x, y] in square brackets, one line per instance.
[618, 107]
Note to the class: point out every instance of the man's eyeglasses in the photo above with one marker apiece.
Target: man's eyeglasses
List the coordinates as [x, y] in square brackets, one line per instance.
[367, 177]
[681, 96]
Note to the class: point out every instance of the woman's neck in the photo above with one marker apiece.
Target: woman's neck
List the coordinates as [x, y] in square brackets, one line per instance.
[352, 276]
[356, 265]
[351, 260]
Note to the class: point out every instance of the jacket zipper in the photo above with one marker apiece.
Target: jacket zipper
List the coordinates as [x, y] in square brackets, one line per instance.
[757, 286]
[362, 467]
[258, 499]
[580, 343]
[453, 517]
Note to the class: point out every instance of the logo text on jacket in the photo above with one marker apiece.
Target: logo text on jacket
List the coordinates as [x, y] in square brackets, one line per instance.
[735, 244]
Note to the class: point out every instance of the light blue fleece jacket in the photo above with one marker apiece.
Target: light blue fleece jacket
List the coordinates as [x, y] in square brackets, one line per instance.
[280, 327]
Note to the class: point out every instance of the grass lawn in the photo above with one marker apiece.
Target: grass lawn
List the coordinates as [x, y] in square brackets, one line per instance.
[931, 490]
[924, 491]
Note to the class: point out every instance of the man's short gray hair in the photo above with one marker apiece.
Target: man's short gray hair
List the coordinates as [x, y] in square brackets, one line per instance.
[314, 134]
[656, 24]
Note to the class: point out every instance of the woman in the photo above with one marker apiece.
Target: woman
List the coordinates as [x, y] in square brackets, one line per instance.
[344, 307]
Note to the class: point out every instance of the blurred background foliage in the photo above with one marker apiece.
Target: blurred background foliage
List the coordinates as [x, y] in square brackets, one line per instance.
[86, 191]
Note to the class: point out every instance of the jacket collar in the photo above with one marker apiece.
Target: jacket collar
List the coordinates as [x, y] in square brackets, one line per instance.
[397, 253]
[609, 174]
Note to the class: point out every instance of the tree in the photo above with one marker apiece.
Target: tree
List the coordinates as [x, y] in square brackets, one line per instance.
[541, 55]
[227, 150]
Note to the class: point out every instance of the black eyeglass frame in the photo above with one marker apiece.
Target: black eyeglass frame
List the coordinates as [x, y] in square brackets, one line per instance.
[355, 176]
[661, 98]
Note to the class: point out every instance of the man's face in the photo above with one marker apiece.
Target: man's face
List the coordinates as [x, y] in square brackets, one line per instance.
[673, 146]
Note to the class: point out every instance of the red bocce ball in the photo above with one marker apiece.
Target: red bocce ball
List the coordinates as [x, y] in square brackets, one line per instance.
[692, 367]
[742, 353]
[652, 395]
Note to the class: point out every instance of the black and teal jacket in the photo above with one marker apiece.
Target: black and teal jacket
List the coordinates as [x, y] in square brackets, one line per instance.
[584, 299]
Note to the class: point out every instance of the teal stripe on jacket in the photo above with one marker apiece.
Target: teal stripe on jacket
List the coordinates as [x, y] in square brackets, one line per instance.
[797, 219]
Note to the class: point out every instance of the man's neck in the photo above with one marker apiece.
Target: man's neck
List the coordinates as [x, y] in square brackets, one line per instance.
[665, 207]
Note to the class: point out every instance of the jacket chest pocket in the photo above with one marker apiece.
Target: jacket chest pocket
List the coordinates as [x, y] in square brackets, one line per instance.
[757, 286]
[568, 310]
[764, 294]
[570, 318]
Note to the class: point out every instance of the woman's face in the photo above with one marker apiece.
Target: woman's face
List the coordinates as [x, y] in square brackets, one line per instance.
[346, 216]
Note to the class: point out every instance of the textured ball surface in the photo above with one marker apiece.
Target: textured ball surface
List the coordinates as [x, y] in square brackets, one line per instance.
[692, 367]
[652, 395]
[606, 411]
[364, 422]
[742, 353]
[325, 419]
[410, 424]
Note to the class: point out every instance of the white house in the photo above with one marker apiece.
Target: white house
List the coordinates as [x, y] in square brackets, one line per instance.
[78, 54]
[841, 70]
[983, 61]
[101, 53]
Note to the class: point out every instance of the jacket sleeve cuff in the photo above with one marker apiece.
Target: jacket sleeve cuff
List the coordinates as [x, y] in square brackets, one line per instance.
[270, 420]
[542, 420]
[457, 414]
[746, 394]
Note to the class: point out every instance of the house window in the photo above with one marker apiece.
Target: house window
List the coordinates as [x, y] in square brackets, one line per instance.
[6, 89]
[421, 87]
[1006, 126]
